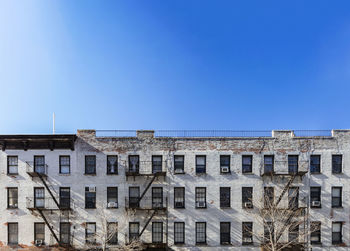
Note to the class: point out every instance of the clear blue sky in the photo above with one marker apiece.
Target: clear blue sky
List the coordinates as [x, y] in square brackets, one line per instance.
[174, 65]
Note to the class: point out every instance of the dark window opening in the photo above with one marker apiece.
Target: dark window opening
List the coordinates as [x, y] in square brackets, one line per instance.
[247, 163]
[200, 164]
[90, 164]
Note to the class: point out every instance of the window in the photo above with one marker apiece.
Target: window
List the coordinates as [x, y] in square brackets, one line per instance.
[134, 195]
[247, 197]
[39, 164]
[269, 232]
[225, 163]
[64, 164]
[112, 233]
[90, 233]
[201, 232]
[12, 230]
[268, 196]
[315, 237]
[156, 164]
[179, 232]
[39, 197]
[247, 233]
[225, 197]
[268, 164]
[337, 237]
[293, 232]
[112, 197]
[157, 232]
[12, 197]
[292, 164]
[293, 197]
[134, 163]
[336, 196]
[39, 232]
[201, 201]
[90, 164]
[200, 164]
[12, 164]
[65, 233]
[112, 164]
[134, 231]
[315, 164]
[315, 196]
[90, 197]
[157, 197]
[179, 197]
[225, 233]
[179, 164]
[336, 164]
[247, 163]
[65, 197]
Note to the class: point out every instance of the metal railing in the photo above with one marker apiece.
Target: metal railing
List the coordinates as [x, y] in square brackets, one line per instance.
[211, 133]
[31, 168]
[281, 167]
[145, 167]
[46, 203]
[146, 202]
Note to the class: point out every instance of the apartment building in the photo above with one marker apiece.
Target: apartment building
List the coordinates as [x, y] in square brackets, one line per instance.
[174, 190]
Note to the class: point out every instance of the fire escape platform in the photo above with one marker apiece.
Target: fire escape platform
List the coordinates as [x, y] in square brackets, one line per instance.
[277, 174]
[160, 174]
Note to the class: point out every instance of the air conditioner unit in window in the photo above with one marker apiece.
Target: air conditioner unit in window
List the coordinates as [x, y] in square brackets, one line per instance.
[179, 204]
[248, 205]
[247, 240]
[112, 204]
[178, 170]
[38, 243]
[201, 204]
[92, 189]
[316, 203]
[225, 169]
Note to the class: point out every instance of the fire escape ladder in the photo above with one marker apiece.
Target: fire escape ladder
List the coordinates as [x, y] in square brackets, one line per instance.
[286, 188]
[48, 189]
[148, 186]
[48, 224]
[148, 221]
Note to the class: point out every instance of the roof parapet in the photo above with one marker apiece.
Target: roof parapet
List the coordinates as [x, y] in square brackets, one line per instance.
[282, 134]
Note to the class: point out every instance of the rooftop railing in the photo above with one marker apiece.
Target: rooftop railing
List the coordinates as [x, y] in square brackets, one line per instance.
[210, 133]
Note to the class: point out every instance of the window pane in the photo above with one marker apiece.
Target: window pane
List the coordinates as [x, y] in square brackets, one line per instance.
[200, 160]
[179, 234]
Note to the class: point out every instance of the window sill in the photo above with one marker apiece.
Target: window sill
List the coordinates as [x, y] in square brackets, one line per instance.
[12, 174]
[225, 173]
[11, 208]
[316, 243]
[315, 207]
[112, 173]
[315, 173]
[179, 243]
[337, 207]
[201, 207]
[90, 207]
[179, 207]
[90, 174]
[247, 173]
[225, 244]
[179, 172]
[247, 243]
[202, 244]
[112, 207]
[228, 207]
[64, 174]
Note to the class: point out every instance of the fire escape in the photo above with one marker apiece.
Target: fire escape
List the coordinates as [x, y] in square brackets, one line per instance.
[286, 173]
[147, 172]
[47, 205]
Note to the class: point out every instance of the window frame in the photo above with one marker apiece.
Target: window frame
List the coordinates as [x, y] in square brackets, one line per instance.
[87, 172]
[225, 237]
[38, 198]
[178, 199]
[340, 204]
[247, 196]
[92, 198]
[8, 164]
[179, 165]
[247, 229]
[64, 200]
[293, 201]
[156, 167]
[113, 240]
[138, 232]
[87, 235]
[154, 234]
[337, 165]
[183, 233]
[340, 241]
[315, 233]
[110, 198]
[316, 165]
[293, 163]
[15, 198]
[64, 233]
[266, 165]
[9, 224]
[134, 201]
[203, 232]
[109, 166]
[222, 157]
[318, 197]
[60, 164]
[250, 166]
[225, 201]
[201, 169]
[36, 232]
[199, 196]
[271, 191]
[137, 166]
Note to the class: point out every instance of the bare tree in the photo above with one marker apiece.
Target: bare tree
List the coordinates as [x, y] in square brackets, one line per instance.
[283, 218]
[106, 236]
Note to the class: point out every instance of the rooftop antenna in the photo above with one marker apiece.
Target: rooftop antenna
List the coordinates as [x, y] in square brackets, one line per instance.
[53, 123]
